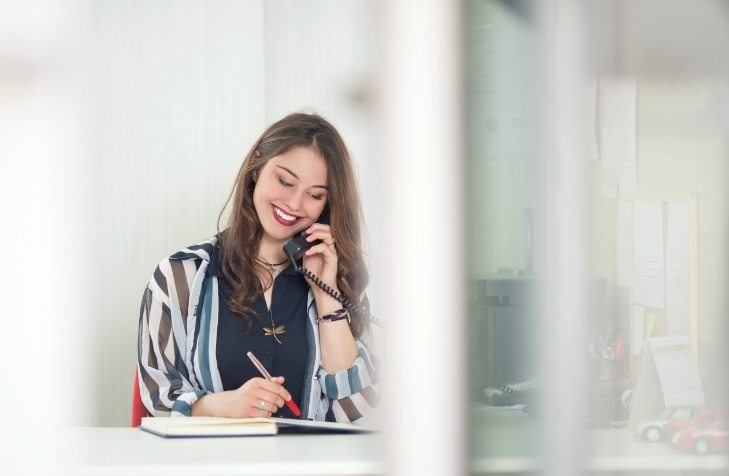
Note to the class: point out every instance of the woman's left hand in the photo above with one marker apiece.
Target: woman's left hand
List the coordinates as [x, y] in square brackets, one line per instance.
[321, 259]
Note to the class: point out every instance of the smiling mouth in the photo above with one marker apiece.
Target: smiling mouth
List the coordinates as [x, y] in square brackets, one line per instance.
[283, 217]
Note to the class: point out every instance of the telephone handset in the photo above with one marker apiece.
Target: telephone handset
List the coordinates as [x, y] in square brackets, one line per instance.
[297, 246]
[295, 249]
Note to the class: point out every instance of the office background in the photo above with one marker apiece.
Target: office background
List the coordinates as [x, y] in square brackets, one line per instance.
[550, 247]
[681, 147]
[126, 121]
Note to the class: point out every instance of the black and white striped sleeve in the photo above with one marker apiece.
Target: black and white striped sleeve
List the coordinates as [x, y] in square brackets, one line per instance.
[164, 379]
[353, 391]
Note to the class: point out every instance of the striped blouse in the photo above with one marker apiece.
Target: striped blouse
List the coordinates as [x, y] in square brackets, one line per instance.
[178, 323]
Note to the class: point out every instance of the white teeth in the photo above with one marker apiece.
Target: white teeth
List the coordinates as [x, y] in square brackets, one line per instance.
[283, 215]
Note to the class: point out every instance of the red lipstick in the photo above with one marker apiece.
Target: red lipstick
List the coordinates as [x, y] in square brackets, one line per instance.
[281, 219]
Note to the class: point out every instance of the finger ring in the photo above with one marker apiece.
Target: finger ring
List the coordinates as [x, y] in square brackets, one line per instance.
[262, 405]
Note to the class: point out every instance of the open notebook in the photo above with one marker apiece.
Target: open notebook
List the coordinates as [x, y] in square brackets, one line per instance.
[185, 427]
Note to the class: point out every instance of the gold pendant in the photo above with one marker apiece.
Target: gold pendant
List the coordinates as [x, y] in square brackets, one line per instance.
[275, 331]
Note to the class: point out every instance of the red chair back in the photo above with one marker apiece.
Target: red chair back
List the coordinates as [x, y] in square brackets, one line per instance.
[138, 410]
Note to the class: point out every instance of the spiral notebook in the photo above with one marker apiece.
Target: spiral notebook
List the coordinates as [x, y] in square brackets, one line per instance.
[191, 427]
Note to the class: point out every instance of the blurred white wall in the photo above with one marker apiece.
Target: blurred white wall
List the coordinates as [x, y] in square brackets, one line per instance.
[35, 126]
[170, 95]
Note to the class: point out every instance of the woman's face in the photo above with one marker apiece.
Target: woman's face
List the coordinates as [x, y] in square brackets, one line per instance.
[290, 192]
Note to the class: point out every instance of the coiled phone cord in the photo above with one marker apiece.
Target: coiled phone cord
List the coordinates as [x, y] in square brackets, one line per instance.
[346, 302]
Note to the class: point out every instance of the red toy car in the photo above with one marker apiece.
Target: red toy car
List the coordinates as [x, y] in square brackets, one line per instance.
[708, 434]
[668, 422]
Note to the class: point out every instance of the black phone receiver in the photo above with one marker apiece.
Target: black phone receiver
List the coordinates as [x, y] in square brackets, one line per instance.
[297, 246]
[295, 249]
[324, 217]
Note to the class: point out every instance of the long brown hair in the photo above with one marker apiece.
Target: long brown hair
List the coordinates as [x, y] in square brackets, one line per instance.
[240, 240]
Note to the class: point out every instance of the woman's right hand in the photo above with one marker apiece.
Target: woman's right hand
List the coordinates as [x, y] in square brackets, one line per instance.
[245, 401]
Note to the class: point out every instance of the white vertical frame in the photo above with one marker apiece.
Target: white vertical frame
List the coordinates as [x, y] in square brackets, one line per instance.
[37, 193]
[420, 235]
[563, 231]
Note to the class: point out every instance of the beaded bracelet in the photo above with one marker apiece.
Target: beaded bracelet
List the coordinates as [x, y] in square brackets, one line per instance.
[337, 315]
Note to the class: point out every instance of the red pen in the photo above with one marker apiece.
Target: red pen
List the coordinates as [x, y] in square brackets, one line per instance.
[291, 404]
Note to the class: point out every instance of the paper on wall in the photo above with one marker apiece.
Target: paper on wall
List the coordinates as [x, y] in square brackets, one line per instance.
[616, 116]
[638, 331]
[648, 264]
[677, 269]
[623, 251]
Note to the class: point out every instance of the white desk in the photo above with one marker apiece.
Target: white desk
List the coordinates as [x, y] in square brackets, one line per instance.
[501, 441]
[130, 451]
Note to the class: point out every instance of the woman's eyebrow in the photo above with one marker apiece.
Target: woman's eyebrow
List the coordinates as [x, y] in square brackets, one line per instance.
[297, 177]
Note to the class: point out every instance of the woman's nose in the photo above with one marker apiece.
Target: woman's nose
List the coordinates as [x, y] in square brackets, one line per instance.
[294, 201]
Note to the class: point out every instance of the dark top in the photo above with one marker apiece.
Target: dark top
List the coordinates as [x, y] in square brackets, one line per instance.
[286, 358]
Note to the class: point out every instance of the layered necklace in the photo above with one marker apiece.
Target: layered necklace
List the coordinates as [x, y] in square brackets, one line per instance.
[274, 330]
[272, 267]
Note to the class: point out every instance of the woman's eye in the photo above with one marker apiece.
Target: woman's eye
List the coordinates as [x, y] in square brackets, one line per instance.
[316, 196]
[283, 182]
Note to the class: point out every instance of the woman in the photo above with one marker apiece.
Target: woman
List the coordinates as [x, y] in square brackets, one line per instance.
[209, 304]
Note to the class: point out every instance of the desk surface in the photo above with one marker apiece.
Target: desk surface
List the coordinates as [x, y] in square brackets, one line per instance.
[501, 441]
[117, 451]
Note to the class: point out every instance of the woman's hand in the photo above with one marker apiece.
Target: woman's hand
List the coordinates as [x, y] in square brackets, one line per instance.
[256, 398]
[338, 348]
[321, 259]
